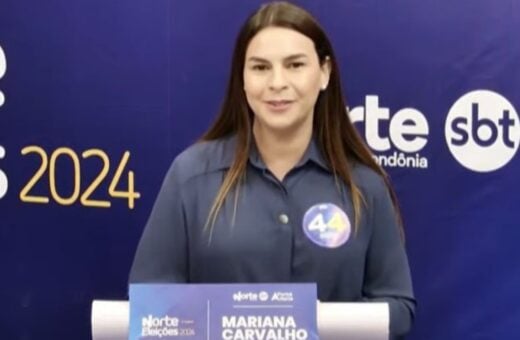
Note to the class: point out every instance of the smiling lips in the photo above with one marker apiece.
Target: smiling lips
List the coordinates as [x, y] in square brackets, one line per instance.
[278, 105]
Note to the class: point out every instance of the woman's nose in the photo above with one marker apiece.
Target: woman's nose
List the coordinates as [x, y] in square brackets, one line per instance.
[278, 80]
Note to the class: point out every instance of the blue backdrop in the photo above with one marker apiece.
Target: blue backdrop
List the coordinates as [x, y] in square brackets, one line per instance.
[97, 98]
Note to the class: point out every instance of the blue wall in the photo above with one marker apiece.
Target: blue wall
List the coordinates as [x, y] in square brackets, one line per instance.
[432, 84]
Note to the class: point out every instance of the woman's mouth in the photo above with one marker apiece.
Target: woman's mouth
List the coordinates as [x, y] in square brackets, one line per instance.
[278, 105]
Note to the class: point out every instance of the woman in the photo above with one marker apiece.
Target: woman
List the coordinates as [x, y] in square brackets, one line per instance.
[281, 188]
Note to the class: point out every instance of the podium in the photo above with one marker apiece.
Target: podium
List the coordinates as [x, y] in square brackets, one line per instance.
[336, 320]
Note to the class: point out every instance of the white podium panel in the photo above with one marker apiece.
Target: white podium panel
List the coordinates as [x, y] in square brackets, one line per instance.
[336, 320]
[348, 320]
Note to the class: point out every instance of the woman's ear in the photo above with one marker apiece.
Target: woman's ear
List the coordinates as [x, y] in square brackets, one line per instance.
[325, 73]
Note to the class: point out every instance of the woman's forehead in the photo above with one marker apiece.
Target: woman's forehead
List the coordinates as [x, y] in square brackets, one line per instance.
[279, 43]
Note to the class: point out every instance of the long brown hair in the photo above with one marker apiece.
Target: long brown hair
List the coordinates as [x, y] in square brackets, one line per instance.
[335, 134]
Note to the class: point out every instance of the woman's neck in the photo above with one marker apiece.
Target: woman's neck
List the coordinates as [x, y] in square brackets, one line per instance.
[281, 151]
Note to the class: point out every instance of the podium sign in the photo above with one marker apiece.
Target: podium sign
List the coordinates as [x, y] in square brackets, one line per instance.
[223, 311]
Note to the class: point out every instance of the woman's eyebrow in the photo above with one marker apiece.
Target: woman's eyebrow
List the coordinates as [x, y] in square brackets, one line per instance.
[288, 58]
[296, 56]
[258, 59]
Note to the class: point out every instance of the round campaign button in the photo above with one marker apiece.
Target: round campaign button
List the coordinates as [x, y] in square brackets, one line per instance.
[326, 225]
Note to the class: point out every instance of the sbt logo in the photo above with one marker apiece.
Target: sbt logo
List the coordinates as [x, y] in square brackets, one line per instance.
[3, 177]
[482, 131]
[404, 134]
[3, 68]
[4, 183]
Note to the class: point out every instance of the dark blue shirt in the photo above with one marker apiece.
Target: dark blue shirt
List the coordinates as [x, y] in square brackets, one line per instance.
[267, 241]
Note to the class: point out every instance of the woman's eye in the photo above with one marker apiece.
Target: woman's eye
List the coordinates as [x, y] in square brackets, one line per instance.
[296, 65]
[259, 67]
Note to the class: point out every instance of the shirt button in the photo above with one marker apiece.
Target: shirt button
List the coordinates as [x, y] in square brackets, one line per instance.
[283, 218]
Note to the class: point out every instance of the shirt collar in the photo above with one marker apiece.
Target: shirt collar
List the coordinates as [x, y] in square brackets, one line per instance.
[222, 157]
[312, 154]
[315, 155]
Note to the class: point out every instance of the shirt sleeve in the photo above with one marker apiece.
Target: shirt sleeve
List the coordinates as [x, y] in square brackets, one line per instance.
[387, 277]
[161, 255]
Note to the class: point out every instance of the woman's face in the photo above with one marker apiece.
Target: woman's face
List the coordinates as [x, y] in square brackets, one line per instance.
[282, 79]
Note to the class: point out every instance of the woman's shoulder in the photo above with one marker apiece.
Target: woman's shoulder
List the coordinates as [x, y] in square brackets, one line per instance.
[203, 157]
